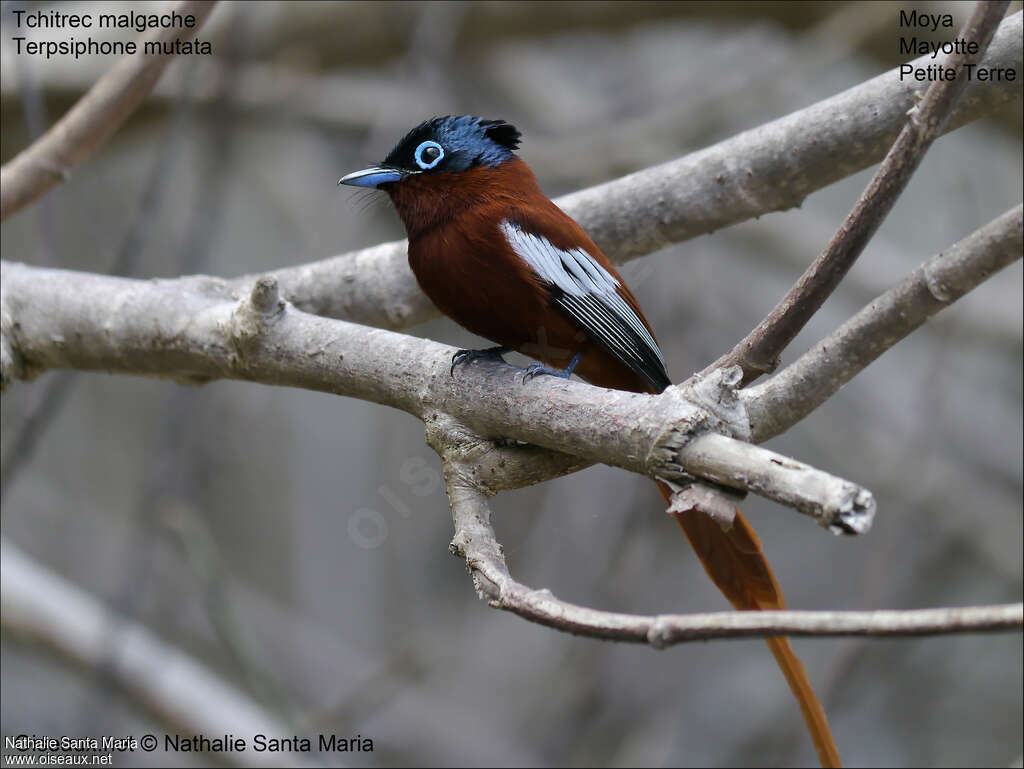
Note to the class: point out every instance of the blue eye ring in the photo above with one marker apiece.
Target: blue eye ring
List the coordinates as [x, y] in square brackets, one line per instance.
[418, 155]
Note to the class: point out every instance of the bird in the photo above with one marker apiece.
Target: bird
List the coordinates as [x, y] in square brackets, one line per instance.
[498, 257]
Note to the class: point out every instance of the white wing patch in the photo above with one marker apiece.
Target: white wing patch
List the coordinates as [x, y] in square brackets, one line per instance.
[586, 291]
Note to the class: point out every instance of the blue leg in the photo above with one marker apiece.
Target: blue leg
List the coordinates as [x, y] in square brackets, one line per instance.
[468, 356]
[536, 369]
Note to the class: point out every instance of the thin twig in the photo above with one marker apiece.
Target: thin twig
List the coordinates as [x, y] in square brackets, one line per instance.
[758, 352]
[782, 401]
[474, 541]
[94, 118]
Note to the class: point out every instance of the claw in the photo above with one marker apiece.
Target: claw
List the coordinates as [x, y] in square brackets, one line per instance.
[536, 369]
[468, 356]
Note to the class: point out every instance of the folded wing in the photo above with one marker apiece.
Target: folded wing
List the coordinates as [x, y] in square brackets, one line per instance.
[585, 291]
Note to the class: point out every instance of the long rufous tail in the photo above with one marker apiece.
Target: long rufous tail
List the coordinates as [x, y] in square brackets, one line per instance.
[737, 565]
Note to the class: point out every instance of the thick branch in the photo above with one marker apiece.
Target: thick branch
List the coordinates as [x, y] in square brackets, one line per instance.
[194, 330]
[770, 168]
[758, 352]
[42, 606]
[776, 405]
[96, 116]
[474, 540]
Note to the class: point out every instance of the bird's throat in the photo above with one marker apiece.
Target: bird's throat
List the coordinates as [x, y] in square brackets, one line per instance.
[428, 201]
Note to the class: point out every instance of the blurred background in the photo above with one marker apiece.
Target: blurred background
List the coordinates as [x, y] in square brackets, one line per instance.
[295, 543]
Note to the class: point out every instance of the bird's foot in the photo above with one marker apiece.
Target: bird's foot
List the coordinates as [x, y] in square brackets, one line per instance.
[468, 356]
[536, 369]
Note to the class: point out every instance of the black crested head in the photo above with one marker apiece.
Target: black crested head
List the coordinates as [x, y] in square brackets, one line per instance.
[451, 144]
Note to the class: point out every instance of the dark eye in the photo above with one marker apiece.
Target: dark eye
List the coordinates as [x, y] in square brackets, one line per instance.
[428, 155]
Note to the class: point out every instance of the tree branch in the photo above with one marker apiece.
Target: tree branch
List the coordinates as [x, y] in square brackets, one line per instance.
[94, 118]
[42, 606]
[776, 405]
[838, 505]
[758, 352]
[194, 330]
[770, 168]
[474, 541]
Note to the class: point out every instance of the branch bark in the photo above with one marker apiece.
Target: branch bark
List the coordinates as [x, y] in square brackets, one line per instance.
[838, 505]
[475, 542]
[770, 168]
[782, 401]
[195, 330]
[94, 118]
